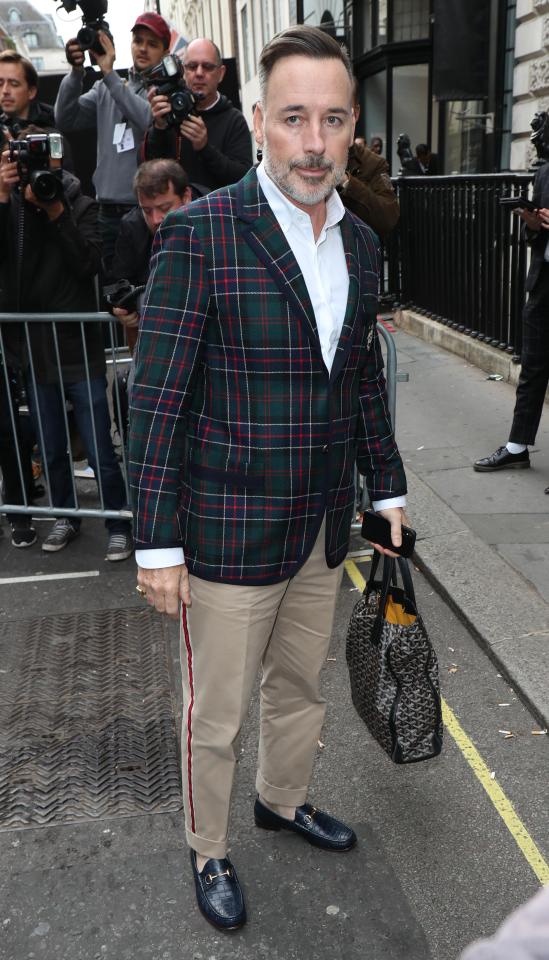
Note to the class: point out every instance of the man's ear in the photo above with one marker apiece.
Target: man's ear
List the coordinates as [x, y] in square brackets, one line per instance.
[222, 72]
[33, 92]
[187, 196]
[259, 121]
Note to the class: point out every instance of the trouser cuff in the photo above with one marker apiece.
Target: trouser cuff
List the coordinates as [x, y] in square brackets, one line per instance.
[280, 795]
[216, 849]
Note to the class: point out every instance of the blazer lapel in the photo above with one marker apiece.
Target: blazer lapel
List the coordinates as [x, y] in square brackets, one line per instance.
[265, 237]
[353, 300]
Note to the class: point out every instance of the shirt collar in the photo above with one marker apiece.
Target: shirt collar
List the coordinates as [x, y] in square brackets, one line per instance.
[286, 212]
[212, 105]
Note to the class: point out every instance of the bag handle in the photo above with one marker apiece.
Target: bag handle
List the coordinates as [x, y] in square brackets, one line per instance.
[389, 578]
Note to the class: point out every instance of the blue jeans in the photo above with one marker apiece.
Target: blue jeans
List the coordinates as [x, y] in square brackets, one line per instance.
[49, 403]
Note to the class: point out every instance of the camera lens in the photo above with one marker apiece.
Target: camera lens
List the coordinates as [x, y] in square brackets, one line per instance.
[45, 185]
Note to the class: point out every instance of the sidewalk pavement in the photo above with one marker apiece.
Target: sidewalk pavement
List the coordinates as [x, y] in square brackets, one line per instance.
[483, 538]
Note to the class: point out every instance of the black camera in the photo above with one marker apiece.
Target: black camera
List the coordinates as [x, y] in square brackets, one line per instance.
[93, 20]
[33, 164]
[540, 136]
[404, 151]
[167, 77]
[123, 294]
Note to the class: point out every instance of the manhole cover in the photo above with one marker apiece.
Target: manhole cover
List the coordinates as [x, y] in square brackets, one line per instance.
[86, 721]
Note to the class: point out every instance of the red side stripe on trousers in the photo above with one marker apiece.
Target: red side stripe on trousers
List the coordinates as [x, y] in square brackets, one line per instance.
[189, 714]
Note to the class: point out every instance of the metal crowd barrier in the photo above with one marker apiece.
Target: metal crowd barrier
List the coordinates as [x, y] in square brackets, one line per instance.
[25, 368]
[115, 357]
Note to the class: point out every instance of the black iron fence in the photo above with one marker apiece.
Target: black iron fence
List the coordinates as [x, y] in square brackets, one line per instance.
[458, 256]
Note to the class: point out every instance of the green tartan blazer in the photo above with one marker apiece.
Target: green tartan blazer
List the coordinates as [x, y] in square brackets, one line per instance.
[240, 439]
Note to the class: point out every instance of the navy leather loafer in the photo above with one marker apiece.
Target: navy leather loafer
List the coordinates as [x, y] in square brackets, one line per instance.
[218, 893]
[317, 827]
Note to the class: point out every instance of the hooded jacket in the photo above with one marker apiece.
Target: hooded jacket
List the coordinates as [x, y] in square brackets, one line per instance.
[226, 157]
[50, 267]
[109, 102]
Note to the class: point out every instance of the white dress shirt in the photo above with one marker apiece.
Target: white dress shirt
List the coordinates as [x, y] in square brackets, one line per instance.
[324, 268]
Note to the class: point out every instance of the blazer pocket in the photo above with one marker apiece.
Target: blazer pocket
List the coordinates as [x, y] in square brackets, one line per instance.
[234, 472]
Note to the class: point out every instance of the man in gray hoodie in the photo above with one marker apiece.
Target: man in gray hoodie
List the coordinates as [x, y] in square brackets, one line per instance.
[120, 112]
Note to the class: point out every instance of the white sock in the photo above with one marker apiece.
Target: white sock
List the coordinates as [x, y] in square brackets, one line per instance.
[516, 447]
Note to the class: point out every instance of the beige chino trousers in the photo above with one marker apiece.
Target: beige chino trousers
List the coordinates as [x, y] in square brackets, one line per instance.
[227, 634]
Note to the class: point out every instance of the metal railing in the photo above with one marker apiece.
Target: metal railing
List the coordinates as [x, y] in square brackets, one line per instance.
[460, 257]
[20, 390]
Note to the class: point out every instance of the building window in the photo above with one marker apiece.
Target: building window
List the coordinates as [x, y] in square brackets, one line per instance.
[326, 13]
[410, 20]
[14, 16]
[266, 24]
[245, 42]
[31, 39]
[38, 63]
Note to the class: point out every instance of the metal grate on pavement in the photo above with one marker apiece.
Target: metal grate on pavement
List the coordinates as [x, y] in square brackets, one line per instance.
[87, 726]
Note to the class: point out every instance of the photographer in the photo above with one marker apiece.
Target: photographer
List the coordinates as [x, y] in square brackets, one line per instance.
[49, 256]
[213, 143]
[367, 190]
[18, 96]
[119, 110]
[161, 186]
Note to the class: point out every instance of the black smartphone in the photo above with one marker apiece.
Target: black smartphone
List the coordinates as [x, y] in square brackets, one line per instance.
[517, 203]
[378, 530]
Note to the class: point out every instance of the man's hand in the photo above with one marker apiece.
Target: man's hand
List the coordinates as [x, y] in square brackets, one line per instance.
[126, 318]
[9, 176]
[105, 61]
[75, 55]
[396, 517]
[164, 588]
[53, 208]
[194, 129]
[160, 107]
[536, 219]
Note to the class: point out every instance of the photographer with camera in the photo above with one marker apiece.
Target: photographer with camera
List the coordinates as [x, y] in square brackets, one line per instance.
[49, 257]
[118, 109]
[210, 137]
[161, 186]
[18, 96]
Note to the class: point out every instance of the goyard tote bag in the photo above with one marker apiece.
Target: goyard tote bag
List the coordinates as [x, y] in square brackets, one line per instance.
[393, 668]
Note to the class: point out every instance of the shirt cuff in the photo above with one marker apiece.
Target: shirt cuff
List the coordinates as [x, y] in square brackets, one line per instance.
[155, 559]
[386, 504]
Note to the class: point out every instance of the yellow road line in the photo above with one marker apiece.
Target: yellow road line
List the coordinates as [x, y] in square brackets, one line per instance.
[500, 801]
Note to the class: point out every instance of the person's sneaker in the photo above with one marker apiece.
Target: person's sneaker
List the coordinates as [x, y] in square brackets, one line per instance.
[501, 459]
[62, 532]
[120, 546]
[23, 535]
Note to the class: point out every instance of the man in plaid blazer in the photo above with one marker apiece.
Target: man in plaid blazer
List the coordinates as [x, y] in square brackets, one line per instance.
[258, 387]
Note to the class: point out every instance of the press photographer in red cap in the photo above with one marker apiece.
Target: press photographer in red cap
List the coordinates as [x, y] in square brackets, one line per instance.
[118, 109]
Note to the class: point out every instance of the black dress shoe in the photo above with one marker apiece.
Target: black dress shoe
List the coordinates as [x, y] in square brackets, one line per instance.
[317, 827]
[501, 459]
[218, 893]
[546, 490]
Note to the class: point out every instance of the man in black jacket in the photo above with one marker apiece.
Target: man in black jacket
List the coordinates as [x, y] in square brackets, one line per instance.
[49, 256]
[18, 95]
[534, 371]
[214, 146]
[161, 186]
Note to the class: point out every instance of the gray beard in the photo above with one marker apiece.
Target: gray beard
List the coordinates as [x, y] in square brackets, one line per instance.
[280, 172]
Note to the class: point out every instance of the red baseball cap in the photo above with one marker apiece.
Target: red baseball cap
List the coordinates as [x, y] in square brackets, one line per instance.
[156, 24]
